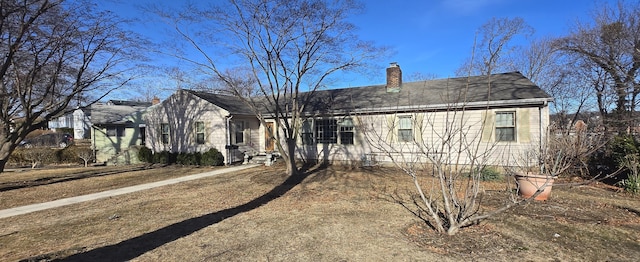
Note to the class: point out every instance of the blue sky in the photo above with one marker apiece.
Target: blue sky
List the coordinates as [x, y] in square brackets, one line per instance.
[431, 37]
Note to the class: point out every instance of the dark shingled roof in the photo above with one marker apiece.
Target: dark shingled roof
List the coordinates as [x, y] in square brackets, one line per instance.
[230, 103]
[506, 89]
[114, 113]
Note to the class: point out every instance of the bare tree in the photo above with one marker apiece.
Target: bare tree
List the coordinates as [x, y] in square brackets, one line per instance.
[54, 52]
[559, 75]
[449, 145]
[609, 49]
[86, 154]
[493, 52]
[288, 49]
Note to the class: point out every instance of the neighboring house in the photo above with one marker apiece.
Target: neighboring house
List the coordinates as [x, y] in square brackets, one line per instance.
[505, 113]
[190, 121]
[116, 126]
[78, 121]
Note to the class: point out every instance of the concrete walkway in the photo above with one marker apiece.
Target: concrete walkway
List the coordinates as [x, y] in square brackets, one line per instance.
[115, 192]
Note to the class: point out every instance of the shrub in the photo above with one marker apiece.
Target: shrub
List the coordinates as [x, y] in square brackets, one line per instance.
[212, 157]
[145, 155]
[187, 159]
[485, 173]
[613, 156]
[490, 174]
[39, 156]
[161, 158]
[67, 155]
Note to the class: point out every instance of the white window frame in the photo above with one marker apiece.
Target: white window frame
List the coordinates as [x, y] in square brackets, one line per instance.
[314, 131]
[346, 126]
[165, 134]
[239, 129]
[200, 137]
[403, 138]
[501, 125]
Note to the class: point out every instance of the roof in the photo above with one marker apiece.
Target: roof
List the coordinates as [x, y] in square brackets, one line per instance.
[230, 103]
[505, 89]
[110, 113]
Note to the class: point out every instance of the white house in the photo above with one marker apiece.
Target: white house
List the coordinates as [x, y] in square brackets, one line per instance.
[502, 115]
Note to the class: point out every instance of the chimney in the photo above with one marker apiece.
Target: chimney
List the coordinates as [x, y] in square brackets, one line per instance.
[394, 77]
[155, 100]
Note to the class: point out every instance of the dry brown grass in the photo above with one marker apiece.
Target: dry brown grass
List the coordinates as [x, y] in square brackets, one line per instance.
[332, 215]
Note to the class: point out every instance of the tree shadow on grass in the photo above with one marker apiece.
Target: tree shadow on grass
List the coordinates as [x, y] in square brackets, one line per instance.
[134, 247]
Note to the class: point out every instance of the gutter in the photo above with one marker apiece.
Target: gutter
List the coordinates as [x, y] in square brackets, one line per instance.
[228, 129]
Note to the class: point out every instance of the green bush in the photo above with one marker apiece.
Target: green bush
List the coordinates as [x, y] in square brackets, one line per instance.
[631, 184]
[190, 159]
[490, 174]
[485, 174]
[623, 145]
[145, 155]
[161, 158]
[212, 157]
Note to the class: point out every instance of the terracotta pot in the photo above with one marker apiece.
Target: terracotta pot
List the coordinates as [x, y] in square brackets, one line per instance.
[529, 183]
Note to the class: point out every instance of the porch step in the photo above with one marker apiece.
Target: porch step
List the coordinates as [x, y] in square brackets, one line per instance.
[261, 158]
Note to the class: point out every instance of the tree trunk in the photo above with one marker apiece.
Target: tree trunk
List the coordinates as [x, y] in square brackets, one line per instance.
[290, 157]
[5, 152]
[3, 162]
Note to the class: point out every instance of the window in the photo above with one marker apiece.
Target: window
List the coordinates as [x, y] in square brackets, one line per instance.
[199, 133]
[327, 131]
[142, 135]
[505, 126]
[405, 129]
[306, 133]
[239, 132]
[115, 131]
[346, 131]
[164, 133]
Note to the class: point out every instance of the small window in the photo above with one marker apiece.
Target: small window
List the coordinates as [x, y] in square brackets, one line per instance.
[164, 133]
[505, 126]
[199, 133]
[306, 133]
[142, 135]
[239, 132]
[346, 131]
[115, 131]
[405, 129]
[327, 131]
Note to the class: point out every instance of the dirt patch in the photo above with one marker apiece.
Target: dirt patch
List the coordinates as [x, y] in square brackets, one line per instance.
[330, 215]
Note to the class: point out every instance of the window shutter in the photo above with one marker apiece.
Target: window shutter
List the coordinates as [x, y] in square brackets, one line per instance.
[391, 128]
[488, 125]
[523, 126]
[418, 127]
[192, 133]
[246, 133]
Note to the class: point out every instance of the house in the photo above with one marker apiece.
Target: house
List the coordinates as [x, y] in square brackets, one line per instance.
[504, 113]
[116, 126]
[192, 121]
[77, 121]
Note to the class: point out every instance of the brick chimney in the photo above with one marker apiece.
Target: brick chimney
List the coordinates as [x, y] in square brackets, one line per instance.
[394, 77]
[155, 100]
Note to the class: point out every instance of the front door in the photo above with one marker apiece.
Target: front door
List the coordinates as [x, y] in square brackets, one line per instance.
[268, 137]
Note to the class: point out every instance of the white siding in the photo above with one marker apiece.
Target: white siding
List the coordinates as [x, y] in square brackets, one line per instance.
[181, 111]
[468, 134]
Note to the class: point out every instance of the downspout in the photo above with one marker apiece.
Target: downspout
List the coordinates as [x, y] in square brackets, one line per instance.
[228, 129]
[541, 135]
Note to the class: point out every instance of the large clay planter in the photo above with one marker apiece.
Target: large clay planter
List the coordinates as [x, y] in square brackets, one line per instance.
[528, 185]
